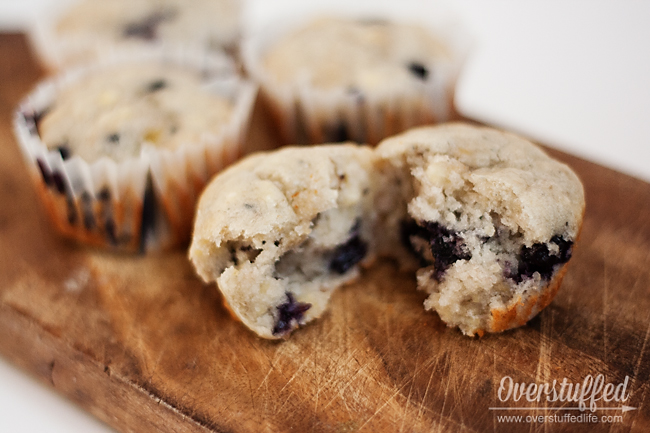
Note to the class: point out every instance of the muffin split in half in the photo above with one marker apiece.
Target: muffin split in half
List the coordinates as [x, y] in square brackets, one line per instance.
[487, 218]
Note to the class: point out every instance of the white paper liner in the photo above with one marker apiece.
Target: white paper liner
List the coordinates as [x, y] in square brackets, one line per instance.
[57, 52]
[305, 114]
[104, 202]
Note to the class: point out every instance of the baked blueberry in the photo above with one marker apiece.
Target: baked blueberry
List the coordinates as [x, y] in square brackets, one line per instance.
[64, 151]
[348, 255]
[290, 315]
[541, 259]
[146, 28]
[156, 85]
[418, 70]
[435, 245]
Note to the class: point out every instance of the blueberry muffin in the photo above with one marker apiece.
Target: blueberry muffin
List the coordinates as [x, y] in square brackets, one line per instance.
[121, 151]
[335, 79]
[488, 218]
[89, 28]
[280, 231]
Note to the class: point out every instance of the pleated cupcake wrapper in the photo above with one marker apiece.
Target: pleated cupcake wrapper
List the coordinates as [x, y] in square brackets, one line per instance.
[144, 203]
[57, 53]
[305, 114]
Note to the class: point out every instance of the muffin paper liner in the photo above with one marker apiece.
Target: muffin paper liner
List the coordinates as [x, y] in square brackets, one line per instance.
[305, 114]
[144, 203]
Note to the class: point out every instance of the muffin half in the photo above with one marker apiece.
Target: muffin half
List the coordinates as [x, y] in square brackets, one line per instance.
[280, 231]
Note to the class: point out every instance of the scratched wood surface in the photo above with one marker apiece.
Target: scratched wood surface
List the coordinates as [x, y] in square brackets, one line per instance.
[143, 345]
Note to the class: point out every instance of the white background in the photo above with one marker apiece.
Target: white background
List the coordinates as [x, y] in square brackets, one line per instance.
[573, 74]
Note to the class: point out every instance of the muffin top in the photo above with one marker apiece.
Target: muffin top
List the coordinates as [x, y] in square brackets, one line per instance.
[212, 23]
[116, 110]
[364, 55]
[282, 190]
[483, 172]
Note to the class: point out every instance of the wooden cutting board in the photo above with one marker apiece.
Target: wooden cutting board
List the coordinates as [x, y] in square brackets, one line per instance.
[143, 345]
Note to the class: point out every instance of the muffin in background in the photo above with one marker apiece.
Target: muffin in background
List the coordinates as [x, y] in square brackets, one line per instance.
[119, 151]
[87, 30]
[335, 79]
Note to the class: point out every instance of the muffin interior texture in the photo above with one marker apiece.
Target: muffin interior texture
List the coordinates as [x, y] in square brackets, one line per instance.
[294, 288]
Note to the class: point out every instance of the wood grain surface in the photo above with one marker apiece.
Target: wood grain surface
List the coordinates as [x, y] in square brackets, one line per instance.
[143, 345]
